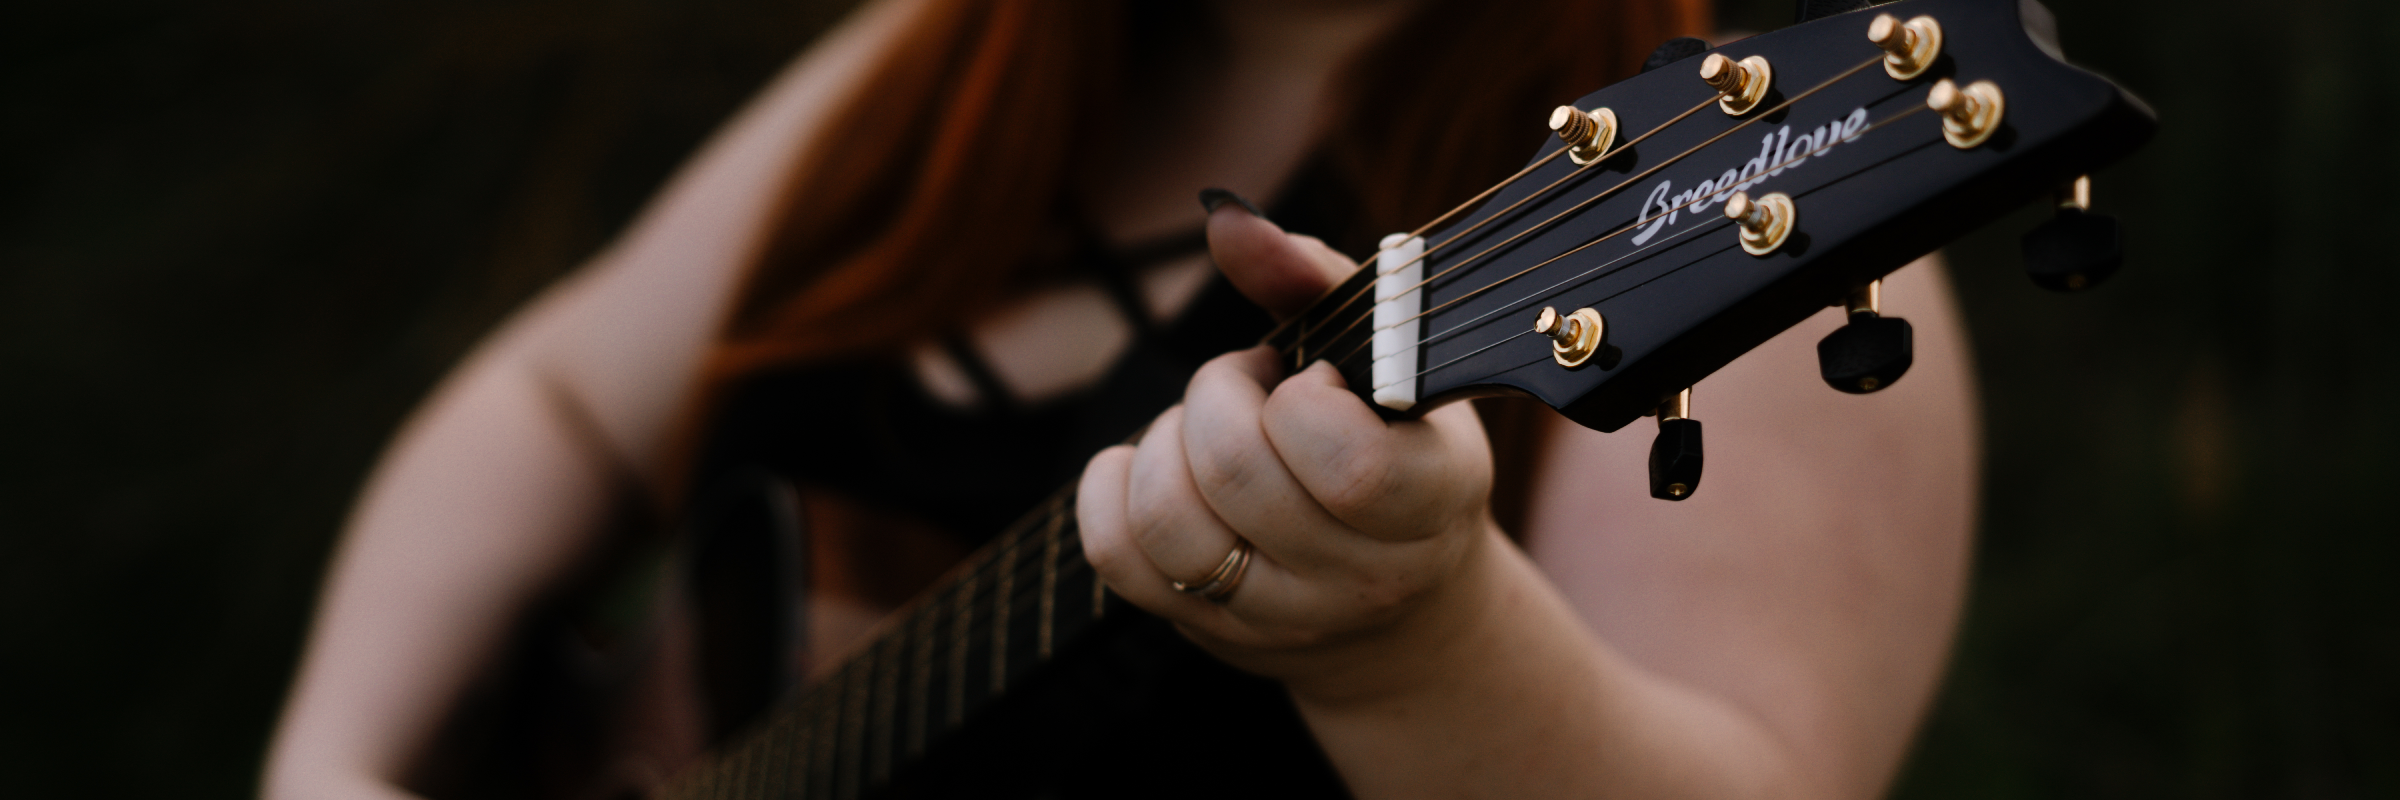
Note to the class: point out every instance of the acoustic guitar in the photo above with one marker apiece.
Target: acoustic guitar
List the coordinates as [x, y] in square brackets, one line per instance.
[1665, 226]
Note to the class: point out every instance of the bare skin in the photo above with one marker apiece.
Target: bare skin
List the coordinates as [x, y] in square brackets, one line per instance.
[1779, 634]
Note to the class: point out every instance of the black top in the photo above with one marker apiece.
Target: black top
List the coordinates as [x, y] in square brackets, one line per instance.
[1144, 712]
[867, 429]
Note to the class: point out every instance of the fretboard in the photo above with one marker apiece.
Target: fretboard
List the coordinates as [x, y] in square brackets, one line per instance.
[993, 623]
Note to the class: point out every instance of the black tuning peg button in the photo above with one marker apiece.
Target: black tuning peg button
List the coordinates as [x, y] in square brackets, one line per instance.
[2076, 249]
[1869, 353]
[1675, 454]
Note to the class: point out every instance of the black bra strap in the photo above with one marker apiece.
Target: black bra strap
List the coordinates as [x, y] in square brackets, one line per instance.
[1116, 271]
[996, 396]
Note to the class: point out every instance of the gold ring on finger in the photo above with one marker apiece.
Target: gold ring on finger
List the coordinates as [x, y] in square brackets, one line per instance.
[1219, 584]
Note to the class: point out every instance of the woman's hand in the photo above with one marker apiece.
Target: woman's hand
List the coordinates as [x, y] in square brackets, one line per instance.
[1363, 531]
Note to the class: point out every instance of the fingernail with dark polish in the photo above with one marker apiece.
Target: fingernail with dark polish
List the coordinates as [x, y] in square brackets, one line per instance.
[1212, 197]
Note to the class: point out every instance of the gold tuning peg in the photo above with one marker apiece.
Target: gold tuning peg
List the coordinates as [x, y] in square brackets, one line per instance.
[1588, 134]
[1743, 83]
[1573, 337]
[1969, 115]
[1764, 222]
[1908, 47]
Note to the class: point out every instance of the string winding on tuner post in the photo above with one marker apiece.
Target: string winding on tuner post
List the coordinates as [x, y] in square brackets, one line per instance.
[1587, 133]
[1743, 83]
[1765, 223]
[1969, 115]
[1908, 47]
[1575, 337]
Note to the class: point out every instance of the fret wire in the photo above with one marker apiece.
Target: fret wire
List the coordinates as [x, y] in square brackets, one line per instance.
[885, 696]
[964, 617]
[1049, 603]
[798, 772]
[854, 706]
[829, 717]
[1006, 562]
[820, 757]
[729, 783]
[981, 562]
[701, 787]
[921, 679]
[774, 780]
[806, 751]
[743, 762]
[764, 758]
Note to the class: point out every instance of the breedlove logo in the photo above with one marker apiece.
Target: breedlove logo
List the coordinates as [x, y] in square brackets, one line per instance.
[1777, 151]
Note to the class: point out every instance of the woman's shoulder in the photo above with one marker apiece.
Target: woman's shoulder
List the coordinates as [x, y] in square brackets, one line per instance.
[625, 334]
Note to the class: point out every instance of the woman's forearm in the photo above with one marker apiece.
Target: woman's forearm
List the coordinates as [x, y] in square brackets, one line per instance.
[1512, 696]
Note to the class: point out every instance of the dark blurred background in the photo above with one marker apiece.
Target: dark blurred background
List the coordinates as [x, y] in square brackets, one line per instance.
[239, 239]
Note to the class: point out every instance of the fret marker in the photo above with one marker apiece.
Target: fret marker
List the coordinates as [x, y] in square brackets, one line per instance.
[1400, 266]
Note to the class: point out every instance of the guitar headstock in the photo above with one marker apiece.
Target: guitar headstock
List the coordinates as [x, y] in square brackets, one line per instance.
[1819, 138]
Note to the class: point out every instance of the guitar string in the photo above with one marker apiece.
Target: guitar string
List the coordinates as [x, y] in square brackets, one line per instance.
[1307, 333]
[1421, 229]
[1529, 331]
[834, 690]
[1636, 225]
[903, 621]
[1645, 175]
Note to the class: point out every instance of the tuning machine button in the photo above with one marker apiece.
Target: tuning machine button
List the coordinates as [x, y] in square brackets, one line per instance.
[1764, 223]
[1588, 134]
[1870, 352]
[1908, 47]
[1675, 454]
[1969, 115]
[1573, 337]
[1743, 83]
[2075, 249]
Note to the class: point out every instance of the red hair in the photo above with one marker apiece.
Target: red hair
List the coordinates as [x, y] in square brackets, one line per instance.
[941, 184]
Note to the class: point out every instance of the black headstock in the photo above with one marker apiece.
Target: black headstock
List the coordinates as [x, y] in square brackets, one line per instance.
[1642, 239]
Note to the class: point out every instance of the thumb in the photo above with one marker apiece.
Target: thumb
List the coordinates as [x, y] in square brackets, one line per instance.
[1281, 272]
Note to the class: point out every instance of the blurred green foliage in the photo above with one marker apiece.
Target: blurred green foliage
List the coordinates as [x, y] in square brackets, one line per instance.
[239, 239]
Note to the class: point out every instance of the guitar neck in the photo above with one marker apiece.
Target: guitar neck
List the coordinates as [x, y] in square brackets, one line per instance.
[989, 626]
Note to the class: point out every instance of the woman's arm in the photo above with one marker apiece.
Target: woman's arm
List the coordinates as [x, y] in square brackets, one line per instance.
[1776, 635]
[505, 478]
